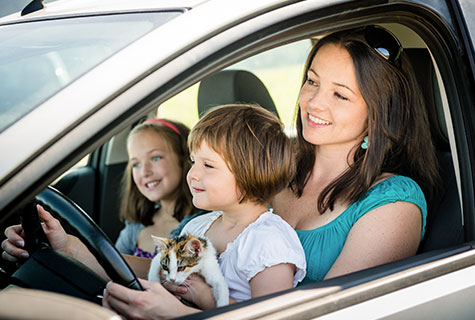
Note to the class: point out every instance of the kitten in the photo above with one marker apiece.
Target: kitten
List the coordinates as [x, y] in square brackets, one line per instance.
[179, 257]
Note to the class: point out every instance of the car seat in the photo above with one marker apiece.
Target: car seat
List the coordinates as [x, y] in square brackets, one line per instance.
[444, 219]
[233, 86]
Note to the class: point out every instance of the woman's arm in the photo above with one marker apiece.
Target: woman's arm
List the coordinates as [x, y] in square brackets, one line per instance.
[272, 279]
[387, 233]
[59, 240]
[68, 244]
[194, 290]
[80, 252]
[62, 242]
[153, 303]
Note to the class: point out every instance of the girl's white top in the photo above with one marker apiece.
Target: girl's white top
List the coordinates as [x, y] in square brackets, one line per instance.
[266, 242]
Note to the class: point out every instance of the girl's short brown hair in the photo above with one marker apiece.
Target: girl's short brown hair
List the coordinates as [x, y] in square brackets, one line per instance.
[254, 145]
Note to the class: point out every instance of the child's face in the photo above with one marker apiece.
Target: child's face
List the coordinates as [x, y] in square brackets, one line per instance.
[155, 167]
[212, 184]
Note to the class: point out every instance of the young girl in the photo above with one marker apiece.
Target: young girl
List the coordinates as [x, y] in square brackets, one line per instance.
[155, 196]
[241, 159]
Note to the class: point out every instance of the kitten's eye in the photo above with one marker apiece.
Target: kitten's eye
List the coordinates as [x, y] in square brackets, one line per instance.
[181, 268]
[164, 267]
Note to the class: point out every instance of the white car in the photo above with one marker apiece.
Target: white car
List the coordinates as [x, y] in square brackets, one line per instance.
[76, 75]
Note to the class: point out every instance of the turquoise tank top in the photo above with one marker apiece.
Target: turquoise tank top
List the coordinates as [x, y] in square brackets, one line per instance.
[323, 245]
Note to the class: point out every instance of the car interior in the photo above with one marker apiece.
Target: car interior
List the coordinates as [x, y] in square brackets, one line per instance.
[444, 227]
[95, 186]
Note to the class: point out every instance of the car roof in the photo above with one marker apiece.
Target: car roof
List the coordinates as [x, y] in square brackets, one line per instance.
[74, 7]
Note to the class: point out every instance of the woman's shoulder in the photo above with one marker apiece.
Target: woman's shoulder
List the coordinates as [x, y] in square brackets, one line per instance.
[389, 190]
[396, 185]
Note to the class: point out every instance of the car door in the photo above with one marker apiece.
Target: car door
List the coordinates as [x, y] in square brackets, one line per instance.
[443, 32]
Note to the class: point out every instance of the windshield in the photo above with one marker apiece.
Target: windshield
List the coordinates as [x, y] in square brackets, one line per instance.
[40, 58]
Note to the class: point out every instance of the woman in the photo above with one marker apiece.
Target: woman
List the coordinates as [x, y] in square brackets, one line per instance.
[365, 156]
[365, 161]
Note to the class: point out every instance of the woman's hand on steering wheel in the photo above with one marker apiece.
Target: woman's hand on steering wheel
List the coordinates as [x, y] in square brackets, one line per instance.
[57, 237]
[13, 245]
[153, 303]
[15, 242]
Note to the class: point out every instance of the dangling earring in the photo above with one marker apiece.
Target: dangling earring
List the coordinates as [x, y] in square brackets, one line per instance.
[364, 145]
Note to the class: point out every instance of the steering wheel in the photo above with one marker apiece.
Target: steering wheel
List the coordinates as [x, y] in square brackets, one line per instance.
[54, 264]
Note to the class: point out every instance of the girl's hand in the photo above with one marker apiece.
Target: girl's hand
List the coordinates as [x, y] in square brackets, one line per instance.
[195, 290]
[14, 243]
[153, 303]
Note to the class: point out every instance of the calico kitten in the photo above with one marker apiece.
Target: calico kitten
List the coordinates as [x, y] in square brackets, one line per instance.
[179, 257]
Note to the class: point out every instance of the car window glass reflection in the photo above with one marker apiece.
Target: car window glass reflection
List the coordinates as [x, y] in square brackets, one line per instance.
[40, 58]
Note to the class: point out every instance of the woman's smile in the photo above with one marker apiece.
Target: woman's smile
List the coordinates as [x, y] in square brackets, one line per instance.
[318, 121]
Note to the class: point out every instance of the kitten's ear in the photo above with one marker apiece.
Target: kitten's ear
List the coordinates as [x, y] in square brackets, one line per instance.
[194, 246]
[161, 243]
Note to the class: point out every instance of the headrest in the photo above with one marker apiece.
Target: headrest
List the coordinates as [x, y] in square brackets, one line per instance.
[426, 77]
[233, 86]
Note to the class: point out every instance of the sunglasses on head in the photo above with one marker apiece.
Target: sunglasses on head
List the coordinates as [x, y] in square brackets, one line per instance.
[384, 43]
